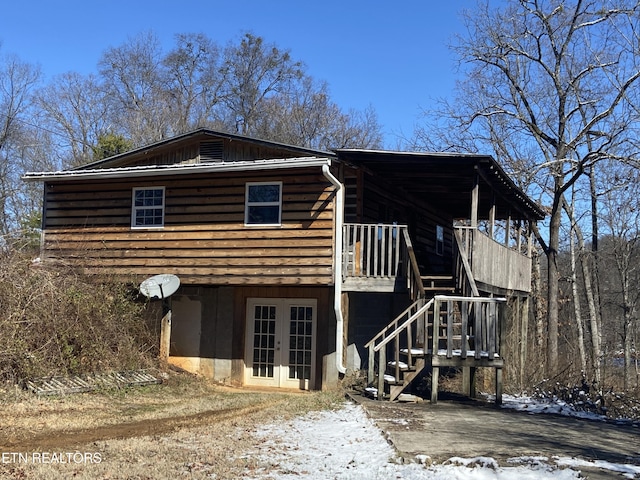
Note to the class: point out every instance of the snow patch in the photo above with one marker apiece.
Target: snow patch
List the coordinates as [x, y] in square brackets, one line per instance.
[345, 444]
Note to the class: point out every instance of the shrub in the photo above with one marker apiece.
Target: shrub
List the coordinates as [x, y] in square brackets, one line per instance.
[57, 322]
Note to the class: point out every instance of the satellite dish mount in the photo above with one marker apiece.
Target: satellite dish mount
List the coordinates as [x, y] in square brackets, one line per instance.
[162, 287]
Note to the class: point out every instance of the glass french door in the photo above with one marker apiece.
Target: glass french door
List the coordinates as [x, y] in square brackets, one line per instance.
[280, 342]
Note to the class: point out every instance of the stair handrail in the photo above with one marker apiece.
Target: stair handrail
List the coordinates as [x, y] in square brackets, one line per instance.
[394, 334]
[392, 325]
[413, 271]
[402, 327]
[393, 328]
[466, 264]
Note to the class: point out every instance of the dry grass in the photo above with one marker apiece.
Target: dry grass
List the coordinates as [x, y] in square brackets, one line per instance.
[186, 428]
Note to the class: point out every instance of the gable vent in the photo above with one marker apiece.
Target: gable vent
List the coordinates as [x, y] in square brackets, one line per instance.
[211, 151]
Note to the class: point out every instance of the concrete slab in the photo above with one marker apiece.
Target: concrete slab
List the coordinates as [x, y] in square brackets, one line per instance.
[472, 429]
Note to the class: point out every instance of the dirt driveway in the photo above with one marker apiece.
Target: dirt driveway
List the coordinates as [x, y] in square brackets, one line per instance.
[472, 429]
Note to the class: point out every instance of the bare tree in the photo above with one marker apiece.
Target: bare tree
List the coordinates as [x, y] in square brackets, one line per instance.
[75, 108]
[550, 88]
[586, 264]
[142, 95]
[306, 116]
[620, 216]
[575, 291]
[136, 89]
[194, 82]
[254, 72]
[17, 81]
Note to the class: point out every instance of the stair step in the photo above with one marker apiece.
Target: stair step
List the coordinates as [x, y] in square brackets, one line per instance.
[371, 392]
[403, 366]
[391, 380]
[416, 352]
[408, 397]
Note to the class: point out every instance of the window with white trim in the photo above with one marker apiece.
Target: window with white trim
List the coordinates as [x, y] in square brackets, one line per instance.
[147, 207]
[263, 203]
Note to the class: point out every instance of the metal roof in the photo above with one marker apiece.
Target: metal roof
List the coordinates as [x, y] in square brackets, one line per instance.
[176, 169]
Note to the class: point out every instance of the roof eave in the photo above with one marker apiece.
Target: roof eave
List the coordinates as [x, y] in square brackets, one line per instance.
[155, 170]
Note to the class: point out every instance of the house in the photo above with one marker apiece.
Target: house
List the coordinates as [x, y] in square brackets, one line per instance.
[298, 265]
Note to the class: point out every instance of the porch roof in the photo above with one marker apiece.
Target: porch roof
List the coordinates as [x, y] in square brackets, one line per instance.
[446, 180]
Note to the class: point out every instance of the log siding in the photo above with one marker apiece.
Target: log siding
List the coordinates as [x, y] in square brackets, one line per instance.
[204, 240]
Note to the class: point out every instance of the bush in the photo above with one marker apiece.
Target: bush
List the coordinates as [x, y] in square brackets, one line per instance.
[56, 322]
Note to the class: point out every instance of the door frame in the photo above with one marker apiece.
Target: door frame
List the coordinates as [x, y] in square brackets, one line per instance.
[281, 363]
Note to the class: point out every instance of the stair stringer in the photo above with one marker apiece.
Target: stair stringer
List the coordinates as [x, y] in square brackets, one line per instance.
[396, 390]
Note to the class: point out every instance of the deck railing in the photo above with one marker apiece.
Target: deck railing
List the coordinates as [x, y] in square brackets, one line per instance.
[467, 327]
[380, 251]
[446, 327]
[371, 250]
[491, 262]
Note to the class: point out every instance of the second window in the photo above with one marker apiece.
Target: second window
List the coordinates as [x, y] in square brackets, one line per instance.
[263, 203]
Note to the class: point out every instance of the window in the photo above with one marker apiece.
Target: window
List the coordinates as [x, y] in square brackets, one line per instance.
[439, 240]
[263, 204]
[147, 207]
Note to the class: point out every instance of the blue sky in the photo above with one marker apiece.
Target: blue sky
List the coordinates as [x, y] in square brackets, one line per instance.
[392, 56]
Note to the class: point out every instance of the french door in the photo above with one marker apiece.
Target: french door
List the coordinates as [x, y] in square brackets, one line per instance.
[280, 342]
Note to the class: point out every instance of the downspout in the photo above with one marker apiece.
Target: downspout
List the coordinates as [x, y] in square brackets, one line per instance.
[337, 265]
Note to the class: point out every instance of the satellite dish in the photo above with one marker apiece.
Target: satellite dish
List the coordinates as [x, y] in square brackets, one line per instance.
[160, 286]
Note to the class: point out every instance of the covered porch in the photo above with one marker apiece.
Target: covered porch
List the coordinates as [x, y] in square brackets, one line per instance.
[459, 269]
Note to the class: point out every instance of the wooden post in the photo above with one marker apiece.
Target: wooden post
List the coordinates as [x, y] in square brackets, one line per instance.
[507, 230]
[464, 328]
[435, 373]
[370, 370]
[501, 312]
[472, 382]
[466, 381]
[382, 368]
[474, 202]
[492, 216]
[436, 328]
[165, 336]
[498, 386]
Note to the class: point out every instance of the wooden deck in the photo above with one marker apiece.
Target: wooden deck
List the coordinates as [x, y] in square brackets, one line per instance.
[380, 258]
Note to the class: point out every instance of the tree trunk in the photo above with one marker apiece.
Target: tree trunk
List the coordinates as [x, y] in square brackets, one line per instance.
[593, 294]
[596, 335]
[628, 358]
[576, 306]
[553, 286]
[589, 291]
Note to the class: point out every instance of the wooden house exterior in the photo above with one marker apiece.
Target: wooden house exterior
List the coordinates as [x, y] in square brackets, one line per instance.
[292, 260]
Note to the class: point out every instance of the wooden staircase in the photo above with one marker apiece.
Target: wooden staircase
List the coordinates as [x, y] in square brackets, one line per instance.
[435, 330]
[445, 331]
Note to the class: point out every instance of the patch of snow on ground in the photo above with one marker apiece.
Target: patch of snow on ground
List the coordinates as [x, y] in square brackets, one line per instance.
[525, 403]
[629, 471]
[345, 444]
